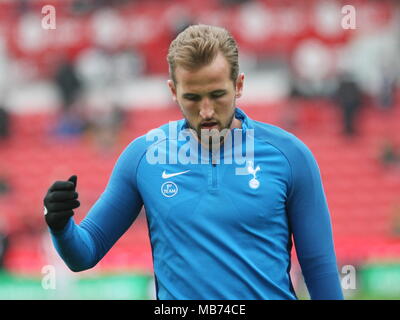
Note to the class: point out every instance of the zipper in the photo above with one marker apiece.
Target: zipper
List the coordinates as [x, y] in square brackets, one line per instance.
[213, 174]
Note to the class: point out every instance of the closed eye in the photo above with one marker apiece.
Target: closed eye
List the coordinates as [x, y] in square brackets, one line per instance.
[217, 94]
[192, 97]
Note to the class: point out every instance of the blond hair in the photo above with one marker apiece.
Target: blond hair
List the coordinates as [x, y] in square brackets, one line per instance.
[198, 45]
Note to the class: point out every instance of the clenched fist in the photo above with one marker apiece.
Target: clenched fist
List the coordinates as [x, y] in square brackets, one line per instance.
[59, 203]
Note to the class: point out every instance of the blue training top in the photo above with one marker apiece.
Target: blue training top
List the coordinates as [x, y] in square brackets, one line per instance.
[219, 229]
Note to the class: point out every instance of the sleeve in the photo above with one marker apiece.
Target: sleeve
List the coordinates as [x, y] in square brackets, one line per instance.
[310, 224]
[83, 246]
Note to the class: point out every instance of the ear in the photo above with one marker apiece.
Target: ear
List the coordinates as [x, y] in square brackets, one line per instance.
[239, 85]
[172, 88]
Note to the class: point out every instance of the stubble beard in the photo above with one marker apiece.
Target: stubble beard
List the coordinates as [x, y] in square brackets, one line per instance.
[214, 138]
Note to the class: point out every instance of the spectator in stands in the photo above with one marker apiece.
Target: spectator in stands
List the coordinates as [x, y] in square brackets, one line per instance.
[233, 2]
[105, 122]
[72, 123]
[387, 94]
[4, 186]
[68, 83]
[4, 242]
[389, 157]
[4, 123]
[349, 98]
[179, 20]
[86, 6]
[290, 113]
[23, 7]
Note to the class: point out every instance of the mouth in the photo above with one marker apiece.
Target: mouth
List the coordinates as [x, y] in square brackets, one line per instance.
[209, 125]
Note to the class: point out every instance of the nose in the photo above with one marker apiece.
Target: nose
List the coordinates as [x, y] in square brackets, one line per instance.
[206, 109]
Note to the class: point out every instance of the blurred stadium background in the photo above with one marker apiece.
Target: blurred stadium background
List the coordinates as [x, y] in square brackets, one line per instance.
[71, 98]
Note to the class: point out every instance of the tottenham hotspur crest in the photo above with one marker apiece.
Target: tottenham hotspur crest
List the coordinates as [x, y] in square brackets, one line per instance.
[253, 183]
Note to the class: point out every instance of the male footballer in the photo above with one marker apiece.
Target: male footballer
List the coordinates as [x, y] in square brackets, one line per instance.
[225, 195]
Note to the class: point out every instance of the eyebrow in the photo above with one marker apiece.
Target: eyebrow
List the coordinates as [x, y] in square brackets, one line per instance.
[189, 94]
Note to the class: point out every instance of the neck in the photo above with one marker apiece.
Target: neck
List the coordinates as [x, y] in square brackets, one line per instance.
[236, 124]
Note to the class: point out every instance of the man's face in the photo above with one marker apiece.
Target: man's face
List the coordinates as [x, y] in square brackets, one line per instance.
[207, 96]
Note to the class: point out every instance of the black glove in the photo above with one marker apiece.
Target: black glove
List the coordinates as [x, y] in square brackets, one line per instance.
[59, 203]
